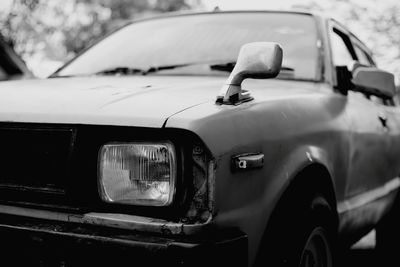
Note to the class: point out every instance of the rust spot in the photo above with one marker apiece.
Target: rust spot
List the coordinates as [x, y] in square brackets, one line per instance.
[199, 211]
[165, 230]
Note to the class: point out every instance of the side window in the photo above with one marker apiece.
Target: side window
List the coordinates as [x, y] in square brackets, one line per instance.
[341, 49]
[362, 56]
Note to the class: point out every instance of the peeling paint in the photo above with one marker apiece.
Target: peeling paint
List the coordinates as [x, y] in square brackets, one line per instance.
[165, 230]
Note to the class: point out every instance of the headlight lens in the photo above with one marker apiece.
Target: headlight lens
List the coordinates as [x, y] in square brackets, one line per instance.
[138, 173]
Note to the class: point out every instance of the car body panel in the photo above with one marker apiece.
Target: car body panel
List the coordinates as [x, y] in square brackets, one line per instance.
[392, 133]
[303, 123]
[310, 126]
[307, 124]
[128, 101]
[367, 132]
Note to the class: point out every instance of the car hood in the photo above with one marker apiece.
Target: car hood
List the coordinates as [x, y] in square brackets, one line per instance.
[140, 101]
[145, 101]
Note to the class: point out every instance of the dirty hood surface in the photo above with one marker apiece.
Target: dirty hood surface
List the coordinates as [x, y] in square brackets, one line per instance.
[144, 101]
[132, 101]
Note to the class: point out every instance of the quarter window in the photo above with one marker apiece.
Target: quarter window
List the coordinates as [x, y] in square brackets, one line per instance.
[362, 56]
[342, 56]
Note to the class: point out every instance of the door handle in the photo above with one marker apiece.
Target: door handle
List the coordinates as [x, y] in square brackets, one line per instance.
[383, 119]
[248, 161]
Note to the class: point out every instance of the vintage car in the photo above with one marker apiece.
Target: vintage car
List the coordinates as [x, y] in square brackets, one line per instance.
[12, 67]
[242, 138]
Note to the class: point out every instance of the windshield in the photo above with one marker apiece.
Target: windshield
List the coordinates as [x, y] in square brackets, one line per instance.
[194, 43]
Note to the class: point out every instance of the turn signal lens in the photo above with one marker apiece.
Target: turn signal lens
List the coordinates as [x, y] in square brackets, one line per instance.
[137, 173]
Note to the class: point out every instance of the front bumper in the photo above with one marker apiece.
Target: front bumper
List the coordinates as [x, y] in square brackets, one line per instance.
[40, 242]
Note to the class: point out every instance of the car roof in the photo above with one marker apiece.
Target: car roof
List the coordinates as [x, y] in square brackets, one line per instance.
[217, 11]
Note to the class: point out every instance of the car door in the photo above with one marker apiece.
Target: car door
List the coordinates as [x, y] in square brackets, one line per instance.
[389, 113]
[368, 137]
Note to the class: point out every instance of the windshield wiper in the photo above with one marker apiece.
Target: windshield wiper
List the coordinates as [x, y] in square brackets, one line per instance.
[228, 67]
[120, 70]
[166, 67]
[131, 71]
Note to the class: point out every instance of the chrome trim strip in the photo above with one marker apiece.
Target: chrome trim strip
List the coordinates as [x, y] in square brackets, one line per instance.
[121, 221]
[367, 197]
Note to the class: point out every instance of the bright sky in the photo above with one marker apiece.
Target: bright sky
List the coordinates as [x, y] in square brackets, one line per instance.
[281, 4]
[5, 4]
[251, 4]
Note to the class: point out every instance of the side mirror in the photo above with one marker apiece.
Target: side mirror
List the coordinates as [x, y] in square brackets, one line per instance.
[374, 81]
[259, 60]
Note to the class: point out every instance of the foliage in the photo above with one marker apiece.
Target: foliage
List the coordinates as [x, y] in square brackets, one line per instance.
[58, 29]
[375, 23]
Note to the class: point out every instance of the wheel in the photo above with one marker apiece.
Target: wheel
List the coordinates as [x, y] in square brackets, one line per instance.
[387, 235]
[302, 234]
[317, 250]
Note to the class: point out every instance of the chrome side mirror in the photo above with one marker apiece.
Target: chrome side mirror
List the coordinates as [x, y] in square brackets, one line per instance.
[259, 60]
[374, 81]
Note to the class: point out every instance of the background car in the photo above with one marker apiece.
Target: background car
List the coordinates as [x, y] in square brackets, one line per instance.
[11, 65]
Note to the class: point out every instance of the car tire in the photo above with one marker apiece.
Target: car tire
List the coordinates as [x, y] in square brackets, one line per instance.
[317, 251]
[303, 234]
[387, 236]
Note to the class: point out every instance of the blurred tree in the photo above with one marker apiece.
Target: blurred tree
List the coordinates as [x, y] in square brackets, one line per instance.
[59, 29]
[376, 23]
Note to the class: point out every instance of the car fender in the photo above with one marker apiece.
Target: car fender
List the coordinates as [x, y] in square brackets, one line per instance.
[252, 218]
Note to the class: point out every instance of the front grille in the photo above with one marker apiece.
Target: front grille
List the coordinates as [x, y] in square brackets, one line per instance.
[54, 166]
[35, 159]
